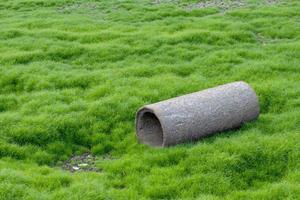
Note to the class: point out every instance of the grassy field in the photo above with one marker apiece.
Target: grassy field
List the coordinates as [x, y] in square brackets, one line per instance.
[73, 74]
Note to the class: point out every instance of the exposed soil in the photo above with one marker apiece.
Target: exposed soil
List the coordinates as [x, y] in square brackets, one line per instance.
[221, 4]
[84, 162]
[77, 7]
[271, 2]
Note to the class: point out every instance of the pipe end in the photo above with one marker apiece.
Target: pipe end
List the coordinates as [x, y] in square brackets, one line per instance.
[148, 128]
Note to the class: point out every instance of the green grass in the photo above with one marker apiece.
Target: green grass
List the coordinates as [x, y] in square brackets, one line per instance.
[73, 74]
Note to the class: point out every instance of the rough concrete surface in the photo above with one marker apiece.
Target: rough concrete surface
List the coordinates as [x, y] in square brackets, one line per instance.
[195, 115]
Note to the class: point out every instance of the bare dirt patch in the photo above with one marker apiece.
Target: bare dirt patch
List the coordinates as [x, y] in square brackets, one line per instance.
[221, 4]
[77, 7]
[272, 2]
[84, 162]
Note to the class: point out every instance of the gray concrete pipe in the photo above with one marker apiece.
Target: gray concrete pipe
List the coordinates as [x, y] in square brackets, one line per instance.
[195, 115]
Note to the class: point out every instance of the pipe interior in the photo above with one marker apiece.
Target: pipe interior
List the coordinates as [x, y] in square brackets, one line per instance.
[149, 129]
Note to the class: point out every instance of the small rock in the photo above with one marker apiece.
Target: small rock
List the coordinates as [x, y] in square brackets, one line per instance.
[75, 168]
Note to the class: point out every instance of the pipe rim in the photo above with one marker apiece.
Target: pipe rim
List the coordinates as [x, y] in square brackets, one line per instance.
[139, 119]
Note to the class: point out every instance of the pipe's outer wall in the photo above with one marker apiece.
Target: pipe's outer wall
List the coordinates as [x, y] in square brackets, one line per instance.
[192, 116]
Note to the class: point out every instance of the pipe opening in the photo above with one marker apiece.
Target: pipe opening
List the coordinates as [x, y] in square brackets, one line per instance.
[149, 129]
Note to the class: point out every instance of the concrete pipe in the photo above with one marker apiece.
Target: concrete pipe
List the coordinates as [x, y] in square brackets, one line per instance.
[195, 115]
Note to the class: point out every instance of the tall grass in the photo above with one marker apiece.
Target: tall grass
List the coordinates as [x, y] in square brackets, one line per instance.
[73, 73]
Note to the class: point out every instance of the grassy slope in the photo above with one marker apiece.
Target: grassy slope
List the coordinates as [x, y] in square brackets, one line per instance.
[73, 73]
